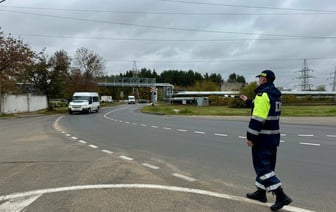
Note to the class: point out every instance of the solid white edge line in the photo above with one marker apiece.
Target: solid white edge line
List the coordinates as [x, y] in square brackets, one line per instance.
[310, 144]
[144, 186]
[190, 179]
[150, 166]
[125, 157]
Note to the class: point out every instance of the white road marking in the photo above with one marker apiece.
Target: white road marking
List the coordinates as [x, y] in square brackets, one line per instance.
[150, 166]
[135, 123]
[282, 134]
[18, 204]
[331, 136]
[28, 194]
[107, 151]
[282, 141]
[75, 138]
[93, 146]
[68, 135]
[154, 127]
[187, 178]
[199, 132]
[143, 125]
[182, 130]
[125, 157]
[242, 137]
[81, 141]
[310, 144]
[127, 122]
[305, 135]
[167, 128]
[219, 134]
[63, 132]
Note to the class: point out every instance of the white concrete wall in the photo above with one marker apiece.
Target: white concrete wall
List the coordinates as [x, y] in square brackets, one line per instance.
[22, 103]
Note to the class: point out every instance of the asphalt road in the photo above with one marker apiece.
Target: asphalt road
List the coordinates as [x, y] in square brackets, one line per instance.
[209, 154]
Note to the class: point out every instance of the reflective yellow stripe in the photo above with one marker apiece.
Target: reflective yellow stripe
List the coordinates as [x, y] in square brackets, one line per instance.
[261, 106]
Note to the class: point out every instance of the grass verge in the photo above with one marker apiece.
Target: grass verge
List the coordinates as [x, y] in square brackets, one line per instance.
[167, 109]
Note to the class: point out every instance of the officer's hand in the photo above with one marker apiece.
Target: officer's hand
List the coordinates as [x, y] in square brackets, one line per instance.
[243, 97]
[249, 143]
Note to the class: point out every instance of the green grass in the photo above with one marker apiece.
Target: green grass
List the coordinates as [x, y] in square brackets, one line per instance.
[167, 109]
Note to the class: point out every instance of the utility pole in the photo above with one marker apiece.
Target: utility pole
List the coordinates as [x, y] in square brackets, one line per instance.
[334, 82]
[135, 80]
[305, 86]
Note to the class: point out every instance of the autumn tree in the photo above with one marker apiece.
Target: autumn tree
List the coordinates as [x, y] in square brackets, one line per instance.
[90, 65]
[49, 76]
[14, 56]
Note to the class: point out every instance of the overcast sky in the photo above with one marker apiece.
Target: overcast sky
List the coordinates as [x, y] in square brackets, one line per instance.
[213, 36]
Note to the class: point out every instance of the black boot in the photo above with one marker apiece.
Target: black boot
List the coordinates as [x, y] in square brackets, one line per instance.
[281, 199]
[259, 195]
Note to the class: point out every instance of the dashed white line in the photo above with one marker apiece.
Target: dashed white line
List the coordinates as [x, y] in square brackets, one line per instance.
[305, 135]
[135, 123]
[81, 141]
[68, 135]
[107, 151]
[242, 137]
[282, 141]
[125, 157]
[331, 136]
[283, 134]
[182, 130]
[190, 179]
[219, 134]
[150, 166]
[75, 138]
[310, 144]
[167, 128]
[93, 146]
[143, 125]
[199, 132]
[154, 127]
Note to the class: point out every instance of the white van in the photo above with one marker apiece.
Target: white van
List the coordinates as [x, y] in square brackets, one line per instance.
[84, 102]
[131, 99]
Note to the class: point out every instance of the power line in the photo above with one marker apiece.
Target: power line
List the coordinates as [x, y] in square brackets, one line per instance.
[111, 60]
[161, 40]
[173, 28]
[247, 6]
[173, 13]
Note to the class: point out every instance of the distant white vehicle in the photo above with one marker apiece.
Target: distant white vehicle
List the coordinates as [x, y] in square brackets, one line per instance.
[106, 99]
[131, 99]
[84, 102]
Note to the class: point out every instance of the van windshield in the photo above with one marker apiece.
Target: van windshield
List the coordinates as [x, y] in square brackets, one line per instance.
[80, 98]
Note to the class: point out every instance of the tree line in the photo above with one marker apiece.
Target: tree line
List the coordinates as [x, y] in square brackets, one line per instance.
[57, 76]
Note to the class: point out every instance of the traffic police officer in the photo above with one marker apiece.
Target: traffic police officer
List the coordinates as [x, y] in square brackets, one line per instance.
[263, 136]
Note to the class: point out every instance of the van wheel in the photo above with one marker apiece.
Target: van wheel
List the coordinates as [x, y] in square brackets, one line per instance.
[89, 111]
